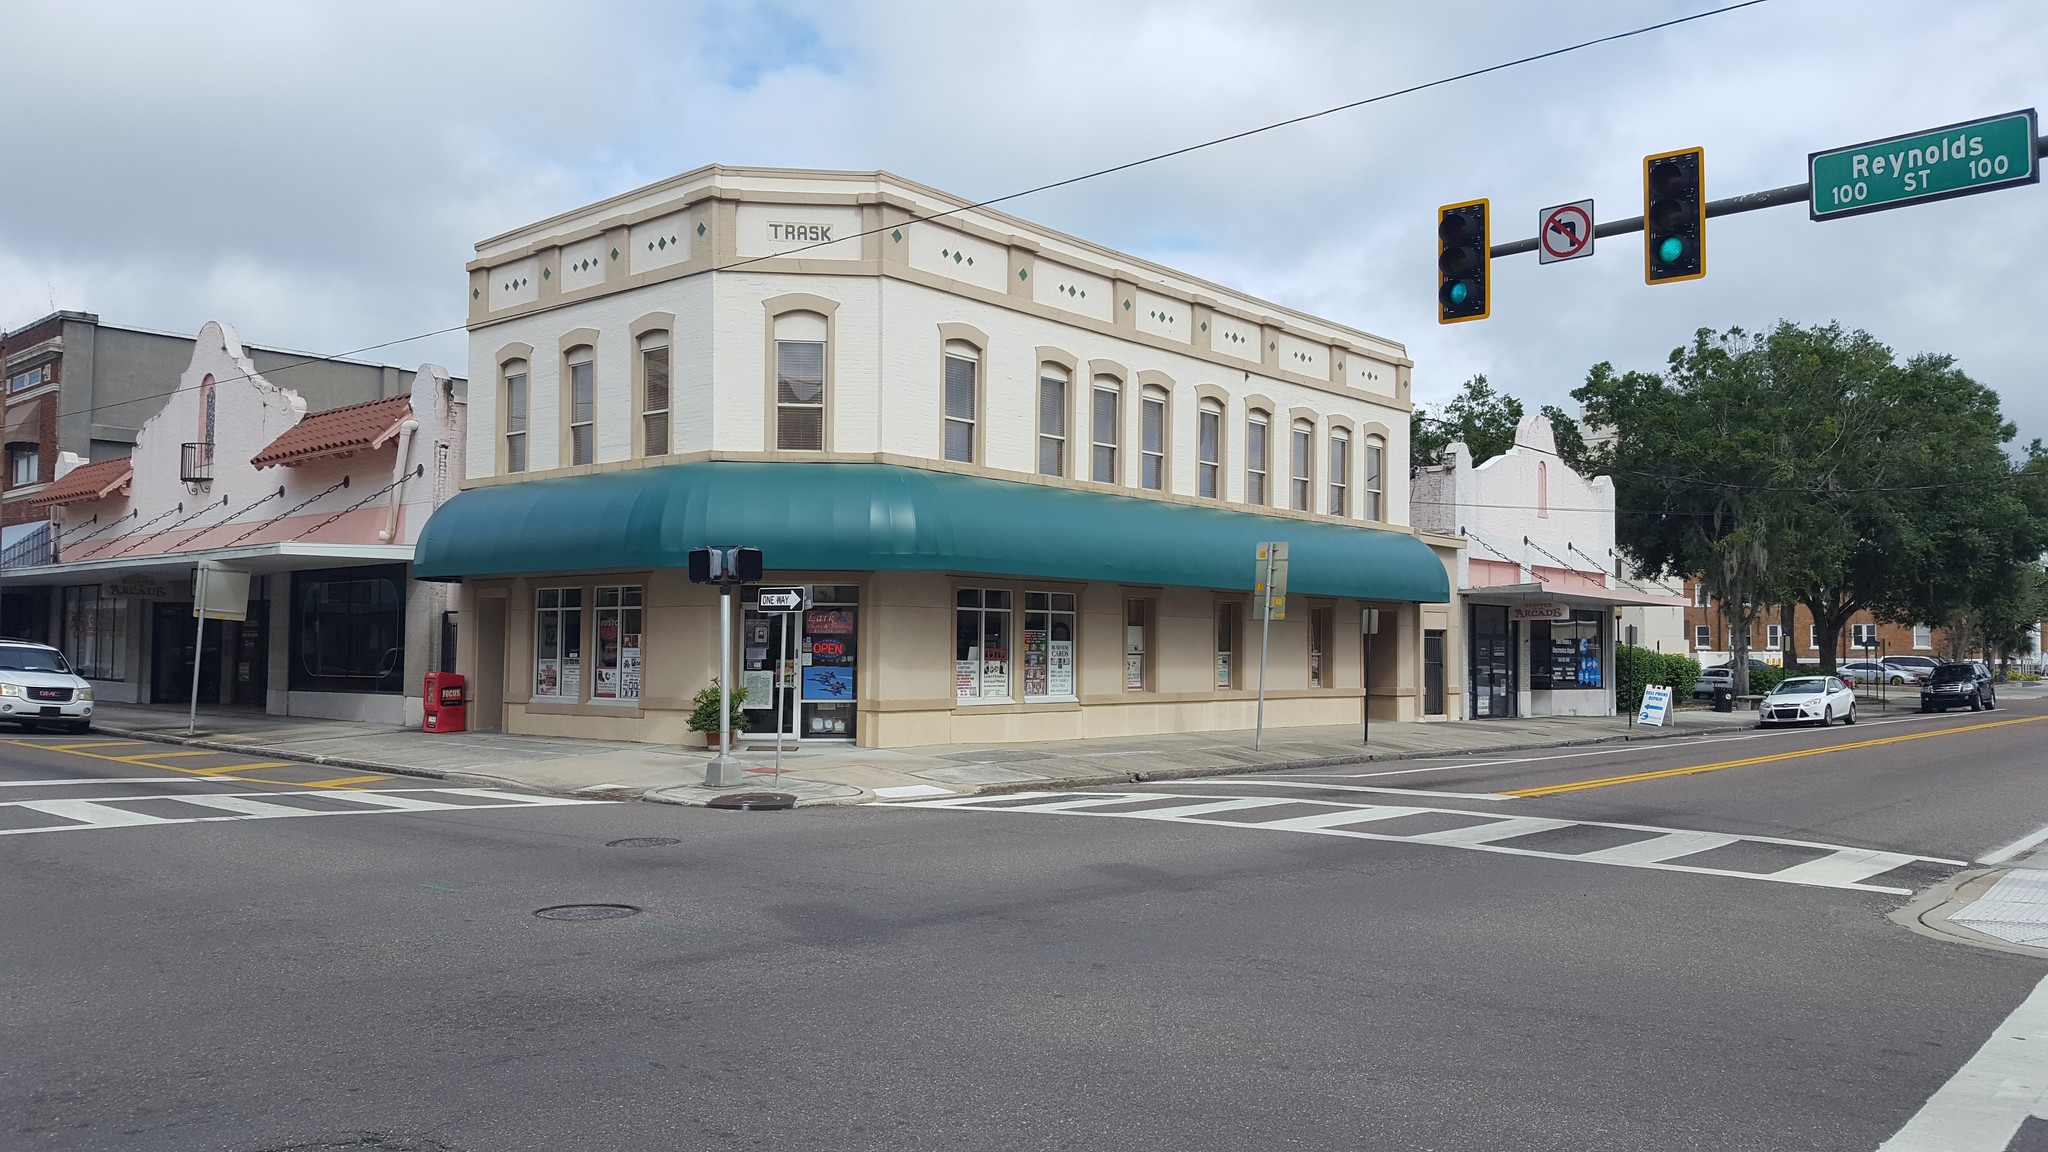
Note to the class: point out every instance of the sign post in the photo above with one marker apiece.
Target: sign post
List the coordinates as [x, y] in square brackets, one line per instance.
[724, 567]
[1959, 160]
[781, 602]
[1269, 600]
[218, 593]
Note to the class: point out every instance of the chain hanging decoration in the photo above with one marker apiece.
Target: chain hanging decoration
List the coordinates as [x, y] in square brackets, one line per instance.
[111, 524]
[418, 470]
[135, 531]
[226, 519]
[290, 512]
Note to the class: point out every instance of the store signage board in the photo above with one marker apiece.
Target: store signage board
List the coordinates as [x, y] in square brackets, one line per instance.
[1958, 160]
[1539, 610]
[219, 592]
[773, 600]
[1656, 705]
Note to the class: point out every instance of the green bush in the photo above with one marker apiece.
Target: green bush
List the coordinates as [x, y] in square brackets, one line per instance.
[1762, 680]
[1635, 667]
[704, 717]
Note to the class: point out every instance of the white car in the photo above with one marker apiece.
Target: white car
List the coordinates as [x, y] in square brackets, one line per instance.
[1873, 672]
[1818, 700]
[37, 687]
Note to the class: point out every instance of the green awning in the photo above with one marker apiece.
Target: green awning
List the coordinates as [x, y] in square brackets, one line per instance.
[880, 517]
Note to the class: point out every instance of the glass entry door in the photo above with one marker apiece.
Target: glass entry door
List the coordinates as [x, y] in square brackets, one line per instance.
[1493, 663]
[820, 650]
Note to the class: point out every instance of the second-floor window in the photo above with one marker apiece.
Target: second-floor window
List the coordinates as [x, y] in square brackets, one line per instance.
[800, 395]
[1340, 471]
[1375, 478]
[1303, 459]
[515, 416]
[582, 406]
[1923, 636]
[1256, 430]
[1103, 429]
[1152, 440]
[654, 394]
[963, 368]
[1209, 465]
[24, 462]
[1863, 635]
[1052, 420]
[1702, 637]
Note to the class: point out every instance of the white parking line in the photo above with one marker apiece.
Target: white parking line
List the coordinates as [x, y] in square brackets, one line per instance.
[2013, 849]
[1983, 1105]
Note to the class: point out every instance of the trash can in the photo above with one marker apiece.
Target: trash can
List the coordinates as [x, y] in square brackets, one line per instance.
[1724, 699]
[447, 704]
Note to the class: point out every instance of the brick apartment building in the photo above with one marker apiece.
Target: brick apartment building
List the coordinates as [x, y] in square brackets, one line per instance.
[1865, 636]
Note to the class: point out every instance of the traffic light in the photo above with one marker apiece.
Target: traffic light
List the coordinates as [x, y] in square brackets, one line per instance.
[725, 565]
[1674, 216]
[1463, 266]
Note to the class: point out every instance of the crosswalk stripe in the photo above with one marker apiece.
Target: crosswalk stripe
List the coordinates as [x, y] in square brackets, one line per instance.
[92, 812]
[1660, 849]
[244, 806]
[102, 812]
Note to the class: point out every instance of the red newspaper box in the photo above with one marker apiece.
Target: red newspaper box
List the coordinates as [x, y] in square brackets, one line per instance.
[447, 702]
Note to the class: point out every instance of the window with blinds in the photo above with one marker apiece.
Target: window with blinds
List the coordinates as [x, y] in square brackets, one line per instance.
[1255, 432]
[515, 417]
[1052, 421]
[654, 396]
[1152, 441]
[582, 408]
[1375, 484]
[1303, 450]
[963, 363]
[800, 395]
[1209, 466]
[1340, 471]
[1105, 430]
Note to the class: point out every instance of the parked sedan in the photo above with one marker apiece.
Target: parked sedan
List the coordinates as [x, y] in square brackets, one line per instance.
[1925, 665]
[1720, 676]
[1881, 672]
[1818, 700]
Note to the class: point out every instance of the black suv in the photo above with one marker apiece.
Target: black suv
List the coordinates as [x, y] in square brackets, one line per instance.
[1954, 685]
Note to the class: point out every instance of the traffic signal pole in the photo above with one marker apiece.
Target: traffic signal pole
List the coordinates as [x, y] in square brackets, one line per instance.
[1747, 202]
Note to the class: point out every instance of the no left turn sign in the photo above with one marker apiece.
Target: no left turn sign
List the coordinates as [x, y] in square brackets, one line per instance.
[1564, 232]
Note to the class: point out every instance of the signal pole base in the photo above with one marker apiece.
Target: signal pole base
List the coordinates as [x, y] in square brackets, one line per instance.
[724, 772]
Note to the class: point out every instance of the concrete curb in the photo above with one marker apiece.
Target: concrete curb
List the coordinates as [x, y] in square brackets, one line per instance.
[1928, 913]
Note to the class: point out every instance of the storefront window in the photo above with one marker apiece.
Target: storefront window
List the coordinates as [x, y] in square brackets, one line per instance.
[348, 630]
[981, 645]
[616, 671]
[1137, 643]
[93, 625]
[558, 643]
[829, 660]
[1565, 654]
[1226, 645]
[1050, 627]
[1318, 646]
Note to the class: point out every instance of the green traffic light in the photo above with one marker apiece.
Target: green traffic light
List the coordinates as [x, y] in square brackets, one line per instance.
[1670, 249]
[1457, 293]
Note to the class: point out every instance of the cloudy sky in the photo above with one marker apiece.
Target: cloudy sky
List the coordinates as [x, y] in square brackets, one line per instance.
[317, 173]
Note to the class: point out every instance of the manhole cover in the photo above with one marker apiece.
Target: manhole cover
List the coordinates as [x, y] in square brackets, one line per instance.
[643, 842]
[754, 801]
[586, 912]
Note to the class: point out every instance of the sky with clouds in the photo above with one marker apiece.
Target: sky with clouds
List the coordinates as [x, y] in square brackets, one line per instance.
[316, 173]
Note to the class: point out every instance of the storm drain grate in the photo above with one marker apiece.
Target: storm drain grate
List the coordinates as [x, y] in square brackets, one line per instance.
[643, 842]
[587, 912]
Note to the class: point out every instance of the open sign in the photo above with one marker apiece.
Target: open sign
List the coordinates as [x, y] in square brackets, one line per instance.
[827, 648]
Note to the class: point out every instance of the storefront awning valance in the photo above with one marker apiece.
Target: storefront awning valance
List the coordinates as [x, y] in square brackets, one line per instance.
[879, 517]
[1570, 594]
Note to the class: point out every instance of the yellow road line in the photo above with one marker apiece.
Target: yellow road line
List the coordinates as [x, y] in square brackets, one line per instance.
[340, 781]
[74, 747]
[218, 772]
[175, 755]
[1607, 781]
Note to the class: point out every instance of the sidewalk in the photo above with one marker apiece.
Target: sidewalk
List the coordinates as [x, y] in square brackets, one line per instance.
[839, 774]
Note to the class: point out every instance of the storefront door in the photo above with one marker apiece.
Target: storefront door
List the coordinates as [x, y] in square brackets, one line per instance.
[819, 695]
[1493, 663]
[171, 644]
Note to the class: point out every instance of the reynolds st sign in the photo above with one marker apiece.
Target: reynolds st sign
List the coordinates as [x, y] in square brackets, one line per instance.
[1959, 160]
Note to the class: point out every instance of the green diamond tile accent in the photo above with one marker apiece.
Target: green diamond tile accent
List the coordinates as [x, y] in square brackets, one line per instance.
[1023, 273]
[650, 245]
[700, 228]
[674, 240]
[957, 257]
[662, 243]
[474, 293]
[1084, 293]
[1205, 325]
[1127, 305]
[897, 235]
[970, 261]
[1272, 347]
[545, 274]
[1071, 291]
[615, 253]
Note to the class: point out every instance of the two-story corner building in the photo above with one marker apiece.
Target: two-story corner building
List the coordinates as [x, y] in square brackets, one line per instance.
[1540, 583]
[1021, 475]
[322, 510]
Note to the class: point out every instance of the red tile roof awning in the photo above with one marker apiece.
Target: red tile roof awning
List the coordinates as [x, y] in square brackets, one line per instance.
[86, 482]
[337, 432]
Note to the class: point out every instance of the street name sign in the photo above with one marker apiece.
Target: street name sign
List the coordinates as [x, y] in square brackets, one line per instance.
[1959, 160]
[1564, 232]
[780, 600]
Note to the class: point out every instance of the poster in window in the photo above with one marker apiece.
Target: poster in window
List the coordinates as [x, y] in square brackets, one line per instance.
[546, 678]
[1036, 662]
[830, 622]
[828, 684]
[1223, 670]
[965, 686]
[606, 686]
[995, 673]
[1059, 675]
[572, 678]
[759, 684]
[1134, 670]
[629, 668]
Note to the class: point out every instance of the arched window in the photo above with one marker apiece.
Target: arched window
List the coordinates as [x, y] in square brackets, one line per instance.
[1543, 487]
[1152, 440]
[1052, 420]
[962, 388]
[1258, 429]
[1209, 451]
[654, 394]
[514, 372]
[1340, 472]
[800, 382]
[1105, 400]
[580, 402]
[1375, 478]
[1303, 461]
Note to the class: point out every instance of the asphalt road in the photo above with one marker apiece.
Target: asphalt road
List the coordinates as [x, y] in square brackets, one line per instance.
[1267, 972]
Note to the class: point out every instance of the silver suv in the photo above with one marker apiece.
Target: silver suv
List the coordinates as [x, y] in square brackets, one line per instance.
[38, 687]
